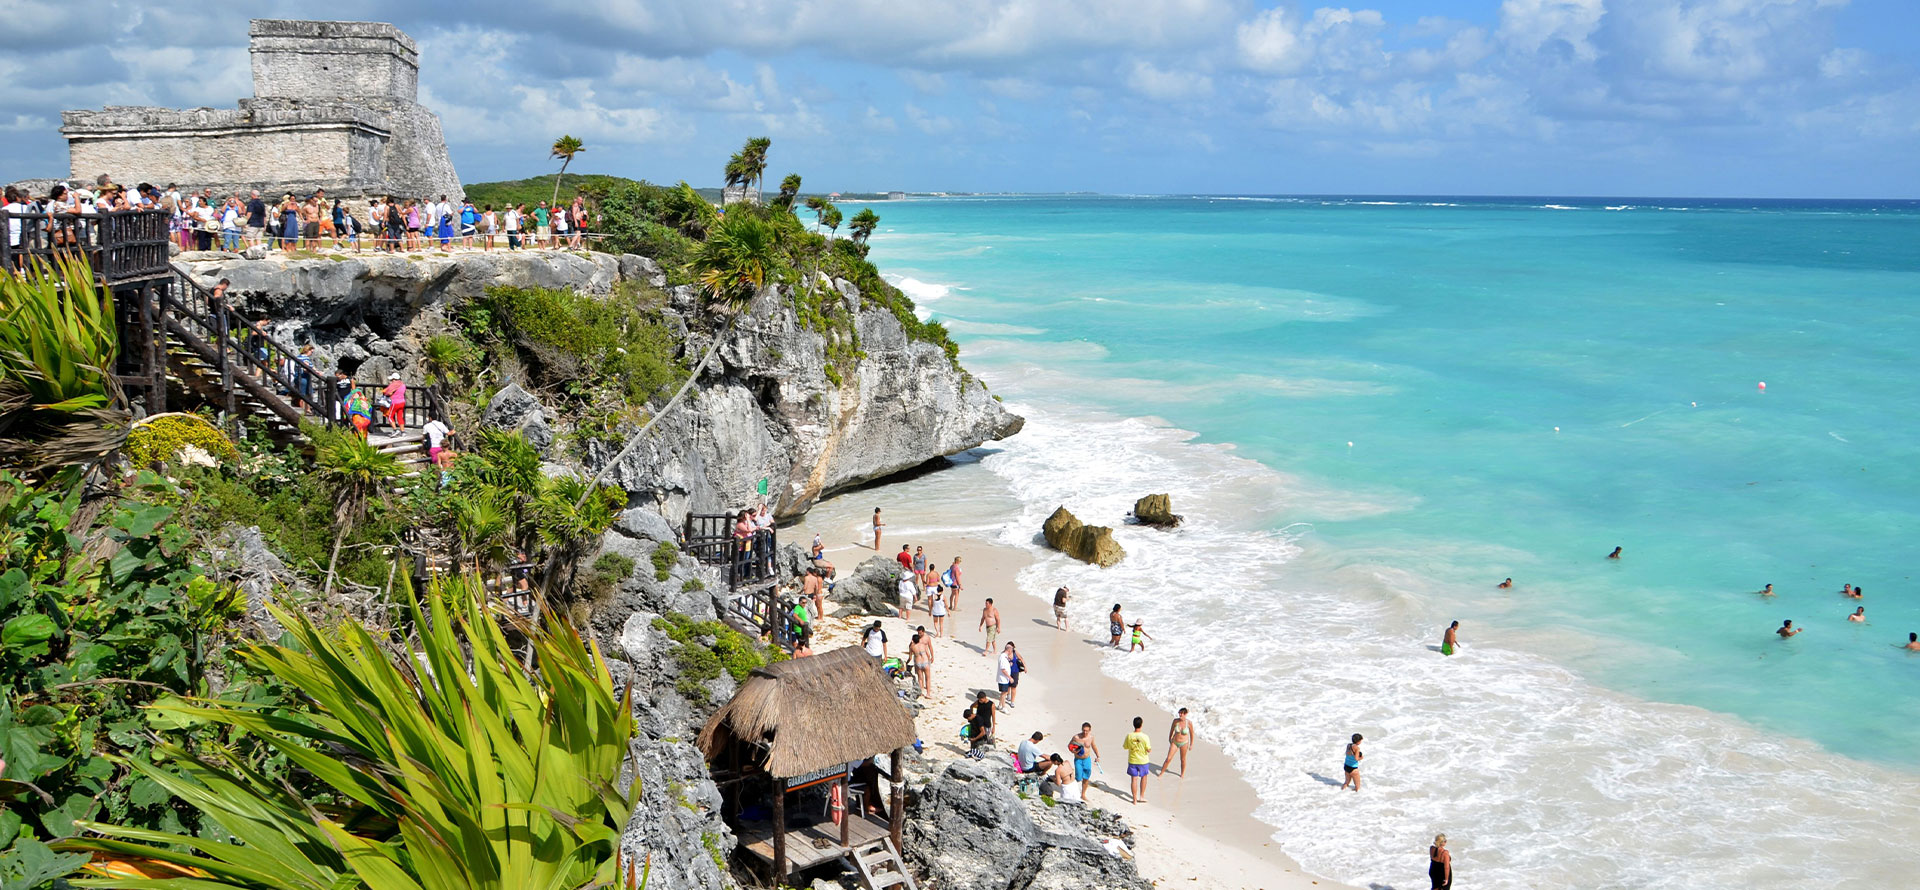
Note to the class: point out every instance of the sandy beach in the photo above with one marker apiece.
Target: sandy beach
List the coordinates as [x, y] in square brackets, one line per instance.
[1195, 831]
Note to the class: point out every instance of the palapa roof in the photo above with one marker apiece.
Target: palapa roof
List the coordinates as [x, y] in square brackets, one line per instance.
[813, 713]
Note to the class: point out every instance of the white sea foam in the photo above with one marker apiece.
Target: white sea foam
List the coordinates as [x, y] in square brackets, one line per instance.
[1540, 778]
[1557, 207]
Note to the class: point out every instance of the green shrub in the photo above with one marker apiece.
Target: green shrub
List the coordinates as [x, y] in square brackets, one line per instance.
[607, 573]
[664, 556]
[615, 341]
[705, 649]
[163, 437]
[692, 584]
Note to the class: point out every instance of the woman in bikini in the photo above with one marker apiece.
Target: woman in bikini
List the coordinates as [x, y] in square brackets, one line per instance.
[1179, 739]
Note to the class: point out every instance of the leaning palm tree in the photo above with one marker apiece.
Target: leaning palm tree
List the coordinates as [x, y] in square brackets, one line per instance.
[831, 219]
[863, 225]
[819, 206]
[357, 473]
[789, 189]
[755, 153]
[739, 172]
[740, 256]
[59, 404]
[564, 148]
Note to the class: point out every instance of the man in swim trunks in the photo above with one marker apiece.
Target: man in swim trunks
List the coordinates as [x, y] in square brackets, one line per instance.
[812, 588]
[921, 654]
[990, 622]
[1765, 591]
[1451, 642]
[1352, 764]
[1116, 626]
[1859, 615]
[1180, 740]
[1913, 642]
[1507, 584]
[1060, 608]
[1139, 760]
[1787, 629]
[1085, 752]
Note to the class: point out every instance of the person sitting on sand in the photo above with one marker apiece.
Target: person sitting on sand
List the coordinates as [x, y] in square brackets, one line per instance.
[1506, 585]
[1859, 615]
[1140, 638]
[1787, 629]
[1913, 642]
[1614, 555]
[1059, 781]
[1116, 625]
[980, 719]
[1765, 591]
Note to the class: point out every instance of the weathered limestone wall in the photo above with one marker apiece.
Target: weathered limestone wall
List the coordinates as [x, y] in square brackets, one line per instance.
[333, 60]
[334, 109]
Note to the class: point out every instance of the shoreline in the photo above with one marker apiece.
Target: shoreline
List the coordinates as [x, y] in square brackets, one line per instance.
[1202, 832]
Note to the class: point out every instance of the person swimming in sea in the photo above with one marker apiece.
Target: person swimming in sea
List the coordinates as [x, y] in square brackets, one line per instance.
[1846, 590]
[1859, 615]
[1507, 584]
[1765, 591]
[1913, 642]
[1858, 592]
[1787, 629]
[1451, 641]
[1615, 554]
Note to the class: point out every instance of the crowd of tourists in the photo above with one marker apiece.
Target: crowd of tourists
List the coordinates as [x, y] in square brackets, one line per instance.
[204, 221]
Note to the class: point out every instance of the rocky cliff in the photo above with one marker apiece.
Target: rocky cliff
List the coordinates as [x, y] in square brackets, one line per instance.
[767, 408]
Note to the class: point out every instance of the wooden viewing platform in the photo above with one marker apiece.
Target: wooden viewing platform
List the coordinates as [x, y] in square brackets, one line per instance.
[753, 600]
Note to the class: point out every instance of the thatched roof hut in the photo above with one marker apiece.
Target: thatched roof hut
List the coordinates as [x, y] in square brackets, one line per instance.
[813, 713]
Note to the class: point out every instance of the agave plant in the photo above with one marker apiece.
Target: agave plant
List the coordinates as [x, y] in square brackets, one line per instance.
[59, 404]
[453, 771]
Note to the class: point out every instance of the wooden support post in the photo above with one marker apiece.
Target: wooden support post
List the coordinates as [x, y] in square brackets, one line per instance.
[896, 797]
[779, 829]
[847, 811]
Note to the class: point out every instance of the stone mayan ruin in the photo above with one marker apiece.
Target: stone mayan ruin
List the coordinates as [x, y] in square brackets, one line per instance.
[334, 107]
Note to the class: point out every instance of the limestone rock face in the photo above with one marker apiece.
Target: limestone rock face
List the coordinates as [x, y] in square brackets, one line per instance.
[765, 409]
[516, 410]
[872, 588]
[967, 830]
[1088, 543]
[1155, 510]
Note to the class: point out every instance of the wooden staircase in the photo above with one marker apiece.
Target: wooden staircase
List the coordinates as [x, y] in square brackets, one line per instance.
[879, 866]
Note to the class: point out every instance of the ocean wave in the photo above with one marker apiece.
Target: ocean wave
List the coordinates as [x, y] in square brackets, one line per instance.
[1557, 207]
[1283, 648]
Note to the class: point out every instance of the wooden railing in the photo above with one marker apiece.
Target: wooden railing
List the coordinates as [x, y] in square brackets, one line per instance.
[753, 596]
[121, 245]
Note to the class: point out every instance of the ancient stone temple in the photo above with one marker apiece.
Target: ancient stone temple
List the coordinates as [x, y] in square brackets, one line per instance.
[334, 107]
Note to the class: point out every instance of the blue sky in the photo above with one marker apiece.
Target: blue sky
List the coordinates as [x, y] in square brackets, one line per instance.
[1564, 97]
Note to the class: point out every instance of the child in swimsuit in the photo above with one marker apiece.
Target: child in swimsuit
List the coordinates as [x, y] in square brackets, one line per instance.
[1140, 636]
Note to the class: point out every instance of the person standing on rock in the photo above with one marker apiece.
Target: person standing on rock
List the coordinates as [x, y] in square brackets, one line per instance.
[1085, 753]
[1060, 608]
[921, 654]
[877, 526]
[1116, 626]
[1139, 760]
[990, 622]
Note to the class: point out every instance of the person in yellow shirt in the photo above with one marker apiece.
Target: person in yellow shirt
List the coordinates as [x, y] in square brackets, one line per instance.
[1139, 760]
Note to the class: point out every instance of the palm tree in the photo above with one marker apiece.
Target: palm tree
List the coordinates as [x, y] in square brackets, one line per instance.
[740, 256]
[755, 153]
[863, 225]
[357, 472]
[832, 220]
[789, 189]
[819, 206]
[564, 148]
[739, 172]
[59, 404]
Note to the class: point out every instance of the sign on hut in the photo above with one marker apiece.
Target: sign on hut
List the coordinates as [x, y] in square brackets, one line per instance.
[796, 754]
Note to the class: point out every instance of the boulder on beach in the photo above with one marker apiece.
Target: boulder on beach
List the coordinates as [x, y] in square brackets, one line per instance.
[1155, 510]
[1088, 543]
[872, 588]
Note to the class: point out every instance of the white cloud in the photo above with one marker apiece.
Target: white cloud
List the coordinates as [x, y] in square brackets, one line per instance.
[1167, 85]
[930, 124]
[1269, 43]
[1565, 26]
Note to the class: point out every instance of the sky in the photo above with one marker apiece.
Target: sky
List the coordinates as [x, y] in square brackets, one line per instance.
[1697, 98]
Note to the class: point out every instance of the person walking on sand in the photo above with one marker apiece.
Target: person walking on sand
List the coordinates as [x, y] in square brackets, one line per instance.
[1017, 667]
[1179, 741]
[1060, 608]
[1787, 629]
[1140, 638]
[990, 622]
[1450, 643]
[937, 606]
[1004, 676]
[1440, 864]
[1116, 626]
[877, 526]
[921, 652]
[1139, 760]
[1085, 753]
[1352, 765]
[1859, 615]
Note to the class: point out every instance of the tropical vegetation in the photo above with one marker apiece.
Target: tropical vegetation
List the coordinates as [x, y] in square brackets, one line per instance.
[59, 404]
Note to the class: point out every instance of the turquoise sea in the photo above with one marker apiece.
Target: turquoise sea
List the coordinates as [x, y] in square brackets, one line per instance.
[1372, 410]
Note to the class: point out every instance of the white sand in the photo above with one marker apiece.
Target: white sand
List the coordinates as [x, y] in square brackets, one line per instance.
[1196, 831]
